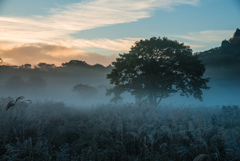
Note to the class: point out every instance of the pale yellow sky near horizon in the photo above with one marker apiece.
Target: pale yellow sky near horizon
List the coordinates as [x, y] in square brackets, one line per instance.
[51, 54]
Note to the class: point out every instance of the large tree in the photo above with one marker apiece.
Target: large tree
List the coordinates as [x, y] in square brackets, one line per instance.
[156, 68]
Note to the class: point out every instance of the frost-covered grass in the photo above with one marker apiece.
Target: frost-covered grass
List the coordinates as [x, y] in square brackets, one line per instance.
[52, 131]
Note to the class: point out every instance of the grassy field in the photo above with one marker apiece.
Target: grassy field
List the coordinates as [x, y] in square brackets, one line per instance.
[51, 130]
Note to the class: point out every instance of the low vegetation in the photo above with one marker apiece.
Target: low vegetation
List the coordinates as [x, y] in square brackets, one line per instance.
[53, 131]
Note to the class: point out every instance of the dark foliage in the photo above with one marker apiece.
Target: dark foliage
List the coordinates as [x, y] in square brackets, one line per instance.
[15, 82]
[36, 82]
[227, 55]
[155, 69]
[85, 91]
[51, 131]
[45, 66]
[76, 63]
[25, 66]
[27, 80]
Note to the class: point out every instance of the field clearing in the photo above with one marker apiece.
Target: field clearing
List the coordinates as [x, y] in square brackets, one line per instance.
[54, 131]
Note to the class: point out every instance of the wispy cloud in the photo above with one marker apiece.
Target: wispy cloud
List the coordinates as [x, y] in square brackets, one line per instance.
[114, 45]
[63, 21]
[207, 36]
[91, 14]
[205, 39]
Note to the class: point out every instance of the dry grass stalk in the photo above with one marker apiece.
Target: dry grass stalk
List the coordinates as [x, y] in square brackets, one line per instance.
[12, 103]
[201, 157]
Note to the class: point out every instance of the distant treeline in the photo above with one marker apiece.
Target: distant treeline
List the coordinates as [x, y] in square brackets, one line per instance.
[45, 67]
[27, 78]
[73, 68]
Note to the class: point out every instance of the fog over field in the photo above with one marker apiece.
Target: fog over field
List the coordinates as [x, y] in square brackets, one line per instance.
[48, 82]
[57, 83]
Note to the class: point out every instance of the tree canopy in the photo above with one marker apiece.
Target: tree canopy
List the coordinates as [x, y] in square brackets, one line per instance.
[85, 91]
[75, 63]
[156, 68]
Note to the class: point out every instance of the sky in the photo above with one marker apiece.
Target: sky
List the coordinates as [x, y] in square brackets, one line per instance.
[96, 31]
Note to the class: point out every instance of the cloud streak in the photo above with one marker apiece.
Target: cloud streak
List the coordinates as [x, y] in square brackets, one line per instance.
[63, 21]
[205, 39]
[207, 36]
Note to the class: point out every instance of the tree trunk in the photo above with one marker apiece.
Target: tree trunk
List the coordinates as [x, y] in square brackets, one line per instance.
[151, 99]
[160, 99]
[154, 101]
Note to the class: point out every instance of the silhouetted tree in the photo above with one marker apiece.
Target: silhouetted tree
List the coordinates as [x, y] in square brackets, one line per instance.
[237, 33]
[98, 66]
[15, 83]
[85, 91]
[155, 69]
[75, 63]
[36, 82]
[25, 66]
[45, 66]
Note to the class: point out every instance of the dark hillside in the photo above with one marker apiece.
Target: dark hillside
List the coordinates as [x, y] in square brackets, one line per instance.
[224, 59]
[223, 67]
